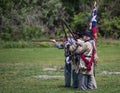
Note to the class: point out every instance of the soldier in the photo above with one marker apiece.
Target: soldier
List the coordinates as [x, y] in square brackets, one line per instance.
[86, 51]
[67, 68]
[75, 62]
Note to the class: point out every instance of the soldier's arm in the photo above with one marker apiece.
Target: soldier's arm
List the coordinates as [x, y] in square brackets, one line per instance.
[58, 45]
[79, 47]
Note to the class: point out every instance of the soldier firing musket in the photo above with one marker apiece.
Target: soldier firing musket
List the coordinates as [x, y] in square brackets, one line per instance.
[69, 58]
[86, 52]
[68, 62]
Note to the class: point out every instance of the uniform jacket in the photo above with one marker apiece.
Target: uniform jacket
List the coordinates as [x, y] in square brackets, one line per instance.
[86, 49]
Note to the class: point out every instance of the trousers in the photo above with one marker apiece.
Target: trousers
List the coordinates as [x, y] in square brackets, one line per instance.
[69, 73]
[85, 82]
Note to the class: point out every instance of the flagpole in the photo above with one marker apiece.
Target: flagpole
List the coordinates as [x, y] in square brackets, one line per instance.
[93, 21]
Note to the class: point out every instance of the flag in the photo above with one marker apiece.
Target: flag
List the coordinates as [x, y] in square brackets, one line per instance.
[93, 22]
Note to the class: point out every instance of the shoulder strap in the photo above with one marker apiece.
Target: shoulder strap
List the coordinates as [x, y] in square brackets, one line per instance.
[88, 62]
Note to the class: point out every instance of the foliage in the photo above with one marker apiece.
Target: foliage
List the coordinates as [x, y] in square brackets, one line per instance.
[80, 21]
[31, 14]
[109, 18]
[31, 32]
[111, 27]
[18, 17]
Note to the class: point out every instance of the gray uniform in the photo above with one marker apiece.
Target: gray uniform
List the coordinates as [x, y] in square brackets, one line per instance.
[68, 71]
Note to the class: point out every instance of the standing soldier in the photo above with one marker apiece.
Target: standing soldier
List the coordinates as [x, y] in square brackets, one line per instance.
[75, 61]
[67, 68]
[86, 51]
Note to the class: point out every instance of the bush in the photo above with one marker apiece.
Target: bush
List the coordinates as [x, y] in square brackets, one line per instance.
[80, 21]
[30, 32]
[110, 27]
[23, 44]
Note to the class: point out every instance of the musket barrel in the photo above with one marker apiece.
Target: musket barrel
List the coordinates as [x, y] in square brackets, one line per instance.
[49, 40]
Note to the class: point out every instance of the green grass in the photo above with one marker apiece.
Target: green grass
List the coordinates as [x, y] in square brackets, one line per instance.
[19, 66]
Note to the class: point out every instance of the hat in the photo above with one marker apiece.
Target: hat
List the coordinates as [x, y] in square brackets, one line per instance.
[86, 33]
[78, 32]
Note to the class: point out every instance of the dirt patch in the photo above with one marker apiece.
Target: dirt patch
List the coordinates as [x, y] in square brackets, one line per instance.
[47, 76]
[107, 72]
[53, 69]
[49, 69]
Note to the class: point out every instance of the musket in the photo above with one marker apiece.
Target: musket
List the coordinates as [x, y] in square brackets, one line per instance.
[70, 30]
[49, 40]
[64, 32]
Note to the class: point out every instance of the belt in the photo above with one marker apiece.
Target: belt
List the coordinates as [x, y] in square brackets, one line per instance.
[87, 56]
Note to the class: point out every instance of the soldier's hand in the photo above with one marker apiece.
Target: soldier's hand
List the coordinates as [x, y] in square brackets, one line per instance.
[77, 42]
[53, 40]
[95, 3]
[96, 59]
[67, 45]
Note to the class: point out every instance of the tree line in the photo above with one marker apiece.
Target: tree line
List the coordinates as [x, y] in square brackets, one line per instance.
[33, 19]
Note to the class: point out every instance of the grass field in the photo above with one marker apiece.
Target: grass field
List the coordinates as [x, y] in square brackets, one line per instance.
[19, 66]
